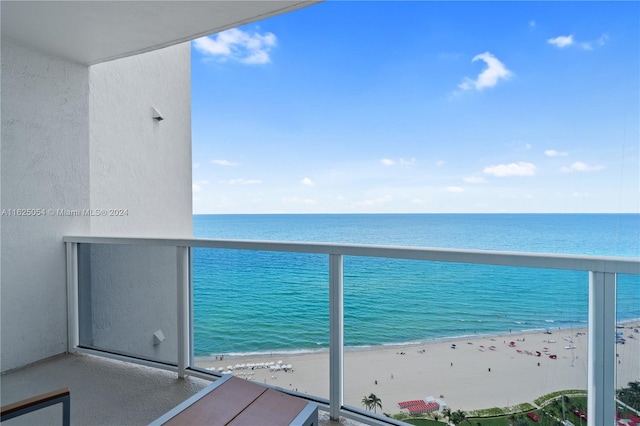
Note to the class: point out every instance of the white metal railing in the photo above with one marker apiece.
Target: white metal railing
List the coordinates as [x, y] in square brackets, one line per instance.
[602, 294]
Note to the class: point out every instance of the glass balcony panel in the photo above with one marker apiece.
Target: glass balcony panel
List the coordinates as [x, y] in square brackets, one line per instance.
[127, 300]
[415, 330]
[628, 347]
[263, 316]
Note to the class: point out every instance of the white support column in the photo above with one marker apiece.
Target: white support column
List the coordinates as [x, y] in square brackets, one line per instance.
[336, 335]
[602, 349]
[190, 316]
[73, 331]
[183, 310]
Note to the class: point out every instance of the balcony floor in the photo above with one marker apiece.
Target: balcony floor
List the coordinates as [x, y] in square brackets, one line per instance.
[103, 391]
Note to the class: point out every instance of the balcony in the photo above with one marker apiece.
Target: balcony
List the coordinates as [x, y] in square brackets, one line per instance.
[131, 299]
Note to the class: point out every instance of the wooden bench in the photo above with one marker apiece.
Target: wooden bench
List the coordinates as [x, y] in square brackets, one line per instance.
[237, 402]
[60, 396]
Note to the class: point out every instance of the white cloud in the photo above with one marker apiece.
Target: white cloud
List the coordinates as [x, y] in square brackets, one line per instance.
[373, 202]
[440, 163]
[603, 39]
[223, 163]
[566, 41]
[243, 181]
[237, 45]
[401, 161]
[297, 200]
[474, 179]
[307, 181]
[454, 189]
[554, 153]
[514, 169]
[586, 46]
[417, 201]
[532, 24]
[196, 165]
[561, 41]
[407, 162]
[494, 72]
[579, 166]
[197, 185]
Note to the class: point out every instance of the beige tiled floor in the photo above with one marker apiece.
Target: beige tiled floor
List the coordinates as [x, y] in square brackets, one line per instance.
[103, 391]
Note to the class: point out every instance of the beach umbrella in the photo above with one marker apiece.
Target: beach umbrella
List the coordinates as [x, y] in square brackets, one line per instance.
[279, 361]
[271, 363]
[220, 369]
[229, 367]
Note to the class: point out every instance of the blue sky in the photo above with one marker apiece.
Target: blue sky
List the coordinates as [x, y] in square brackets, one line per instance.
[421, 107]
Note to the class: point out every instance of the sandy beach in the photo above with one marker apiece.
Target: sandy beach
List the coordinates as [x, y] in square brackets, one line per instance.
[472, 376]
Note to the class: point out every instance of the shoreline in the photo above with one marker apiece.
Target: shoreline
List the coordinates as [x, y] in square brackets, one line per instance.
[470, 377]
[305, 351]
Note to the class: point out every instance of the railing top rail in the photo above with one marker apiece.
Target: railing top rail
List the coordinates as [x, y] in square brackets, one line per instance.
[621, 265]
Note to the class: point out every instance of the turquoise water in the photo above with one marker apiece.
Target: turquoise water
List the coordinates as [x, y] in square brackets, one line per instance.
[261, 302]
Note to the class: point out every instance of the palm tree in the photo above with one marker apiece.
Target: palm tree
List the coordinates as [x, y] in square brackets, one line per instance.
[458, 417]
[375, 402]
[631, 395]
[446, 414]
[366, 401]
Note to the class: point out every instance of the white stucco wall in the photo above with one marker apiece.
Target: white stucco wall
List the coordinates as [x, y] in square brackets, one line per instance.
[45, 165]
[73, 138]
[137, 163]
[140, 168]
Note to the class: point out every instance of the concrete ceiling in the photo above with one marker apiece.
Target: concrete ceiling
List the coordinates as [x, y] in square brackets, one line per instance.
[91, 32]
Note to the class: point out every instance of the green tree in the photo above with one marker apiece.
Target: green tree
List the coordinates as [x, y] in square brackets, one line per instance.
[366, 402]
[374, 402]
[458, 417]
[446, 413]
[631, 394]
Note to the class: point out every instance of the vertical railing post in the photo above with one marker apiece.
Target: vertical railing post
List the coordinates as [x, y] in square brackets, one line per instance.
[602, 350]
[336, 335]
[73, 339]
[183, 310]
[190, 337]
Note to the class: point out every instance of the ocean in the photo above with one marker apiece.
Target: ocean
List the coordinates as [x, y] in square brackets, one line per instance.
[267, 302]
